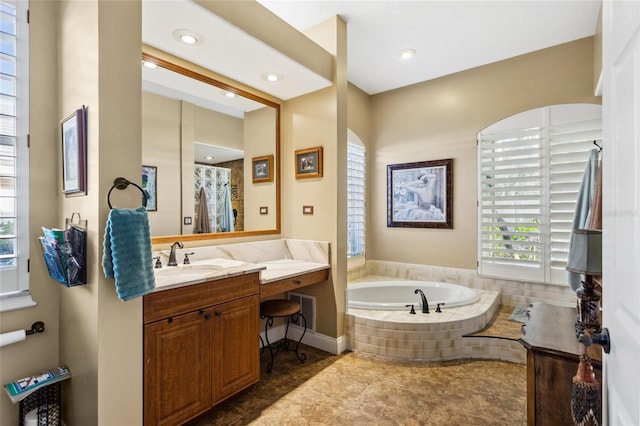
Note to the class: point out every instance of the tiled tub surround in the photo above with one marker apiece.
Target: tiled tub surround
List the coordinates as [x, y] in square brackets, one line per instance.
[275, 259]
[399, 335]
[513, 293]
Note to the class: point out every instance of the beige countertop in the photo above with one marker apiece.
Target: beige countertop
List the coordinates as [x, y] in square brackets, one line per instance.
[205, 270]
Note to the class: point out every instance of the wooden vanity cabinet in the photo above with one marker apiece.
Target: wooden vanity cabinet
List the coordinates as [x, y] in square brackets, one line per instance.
[200, 347]
[553, 355]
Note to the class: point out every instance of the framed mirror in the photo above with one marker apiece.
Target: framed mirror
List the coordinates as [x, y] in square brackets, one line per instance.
[203, 135]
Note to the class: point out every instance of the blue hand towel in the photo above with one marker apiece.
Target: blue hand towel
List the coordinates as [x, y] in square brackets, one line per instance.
[127, 252]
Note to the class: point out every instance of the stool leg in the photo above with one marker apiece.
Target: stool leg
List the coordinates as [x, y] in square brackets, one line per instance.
[285, 341]
[268, 324]
[301, 356]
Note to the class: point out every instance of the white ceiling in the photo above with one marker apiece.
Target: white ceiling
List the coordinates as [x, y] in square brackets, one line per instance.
[448, 36]
[224, 48]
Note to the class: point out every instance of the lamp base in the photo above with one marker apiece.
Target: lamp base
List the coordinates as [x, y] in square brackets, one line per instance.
[588, 307]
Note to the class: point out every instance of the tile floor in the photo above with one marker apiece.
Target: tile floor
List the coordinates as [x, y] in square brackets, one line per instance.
[356, 389]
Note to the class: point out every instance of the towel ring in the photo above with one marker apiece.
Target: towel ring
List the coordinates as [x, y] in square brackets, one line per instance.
[122, 183]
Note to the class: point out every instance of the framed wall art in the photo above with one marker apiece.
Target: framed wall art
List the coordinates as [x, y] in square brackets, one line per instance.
[150, 186]
[73, 132]
[309, 163]
[420, 195]
[262, 169]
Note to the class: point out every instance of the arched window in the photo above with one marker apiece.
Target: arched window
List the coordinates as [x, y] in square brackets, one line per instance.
[530, 168]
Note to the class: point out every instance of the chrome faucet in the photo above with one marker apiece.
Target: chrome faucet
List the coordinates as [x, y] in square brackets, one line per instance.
[172, 255]
[425, 304]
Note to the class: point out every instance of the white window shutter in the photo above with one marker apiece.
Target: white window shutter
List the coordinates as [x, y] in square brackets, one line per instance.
[530, 167]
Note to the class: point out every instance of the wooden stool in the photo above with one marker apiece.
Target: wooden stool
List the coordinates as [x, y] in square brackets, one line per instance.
[271, 309]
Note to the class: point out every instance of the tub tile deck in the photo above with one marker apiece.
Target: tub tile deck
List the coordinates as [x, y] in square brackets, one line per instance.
[426, 337]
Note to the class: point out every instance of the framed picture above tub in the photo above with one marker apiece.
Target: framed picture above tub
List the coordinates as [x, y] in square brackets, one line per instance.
[420, 194]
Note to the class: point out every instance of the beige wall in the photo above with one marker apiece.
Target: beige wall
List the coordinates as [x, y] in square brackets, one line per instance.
[99, 66]
[38, 352]
[359, 114]
[161, 148]
[319, 119]
[440, 119]
[259, 134]
[215, 128]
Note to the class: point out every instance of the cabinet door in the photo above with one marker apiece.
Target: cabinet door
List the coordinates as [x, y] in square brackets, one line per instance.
[177, 367]
[235, 349]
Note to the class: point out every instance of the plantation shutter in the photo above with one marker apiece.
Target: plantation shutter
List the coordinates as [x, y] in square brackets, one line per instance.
[355, 200]
[571, 135]
[530, 169]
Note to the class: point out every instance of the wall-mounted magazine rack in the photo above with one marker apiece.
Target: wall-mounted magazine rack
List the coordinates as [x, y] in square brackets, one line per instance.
[65, 252]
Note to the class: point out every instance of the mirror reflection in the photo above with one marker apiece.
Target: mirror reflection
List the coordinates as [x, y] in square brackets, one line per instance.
[205, 138]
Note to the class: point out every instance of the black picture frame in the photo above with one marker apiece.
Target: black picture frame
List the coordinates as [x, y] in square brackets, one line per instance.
[420, 194]
[73, 134]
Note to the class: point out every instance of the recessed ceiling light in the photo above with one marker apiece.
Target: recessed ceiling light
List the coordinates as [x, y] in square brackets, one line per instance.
[188, 37]
[208, 157]
[272, 77]
[228, 94]
[150, 65]
[406, 53]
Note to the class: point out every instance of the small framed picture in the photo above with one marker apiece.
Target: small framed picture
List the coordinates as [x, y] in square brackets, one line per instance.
[307, 209]
[73, 131]
[262, 169]
[420, 195]
[149, 186]
[309, 163]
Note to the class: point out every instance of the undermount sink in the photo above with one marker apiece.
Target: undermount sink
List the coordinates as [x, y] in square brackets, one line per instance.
[217, 263]
[195, 270]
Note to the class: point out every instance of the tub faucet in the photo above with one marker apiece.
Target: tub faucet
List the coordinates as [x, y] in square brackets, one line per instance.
[172, 255]
[425, 304]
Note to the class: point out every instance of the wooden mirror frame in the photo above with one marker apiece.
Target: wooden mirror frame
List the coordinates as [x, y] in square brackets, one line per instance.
[200, 76]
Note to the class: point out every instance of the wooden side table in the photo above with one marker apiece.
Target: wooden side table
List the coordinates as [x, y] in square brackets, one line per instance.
[553, 355]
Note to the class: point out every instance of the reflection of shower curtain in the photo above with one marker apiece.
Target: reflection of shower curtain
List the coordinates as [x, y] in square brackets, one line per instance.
[202, 220]
[226, 221]
[212, 179]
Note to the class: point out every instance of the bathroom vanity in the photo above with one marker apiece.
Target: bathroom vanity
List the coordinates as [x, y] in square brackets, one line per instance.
[212, 309]
[218, 322]
[553, 355]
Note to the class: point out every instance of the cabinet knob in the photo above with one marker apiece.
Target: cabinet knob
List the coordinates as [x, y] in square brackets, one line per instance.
[207, 316]
[218, 313]
[297, 282]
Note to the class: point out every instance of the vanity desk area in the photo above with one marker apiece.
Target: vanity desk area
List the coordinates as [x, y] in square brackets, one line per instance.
[553, 355]
[211, 306]
[201, 337]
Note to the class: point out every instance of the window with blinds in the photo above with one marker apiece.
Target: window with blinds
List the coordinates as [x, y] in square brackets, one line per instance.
[530, 171]
[14, 176]
[355, 199]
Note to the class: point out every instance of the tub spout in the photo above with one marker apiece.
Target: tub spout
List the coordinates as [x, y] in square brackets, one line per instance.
[425, 303]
